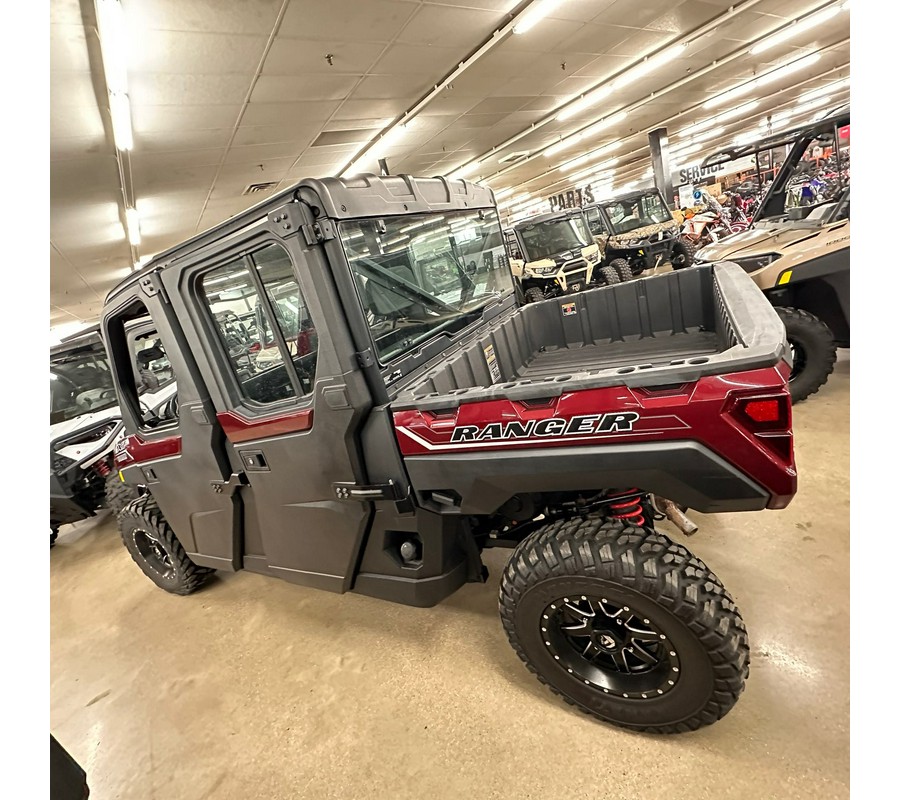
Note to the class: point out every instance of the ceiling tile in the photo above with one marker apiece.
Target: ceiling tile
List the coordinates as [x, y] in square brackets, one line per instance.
[193, 53]
[159, 89]
[206, 16]
[68, 48]
[288, 113]
[445, 25]
[290, 56]
[275, 89]
[347, 20]
[175, 118]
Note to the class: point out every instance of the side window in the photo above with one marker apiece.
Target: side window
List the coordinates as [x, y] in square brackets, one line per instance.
[264, 326]
[145, 375]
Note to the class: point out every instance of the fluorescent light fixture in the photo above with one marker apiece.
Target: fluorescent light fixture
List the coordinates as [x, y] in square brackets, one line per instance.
[807, 107]
[737, 111]
[680, 152]
[762, 80]
[731, 94]
[649, 65]
[562, 145]
[503, 193]
[113, 44]
[787, 69]
[796, 28]
[711, 134]
[532, 15]
[577, 162]
[615, 119]
[120, 111]
[593, 174]
[519, 199]
[588, 100]
[626, 186]
[468, 169]
[744, 138]
[827, 89]
[133, 226]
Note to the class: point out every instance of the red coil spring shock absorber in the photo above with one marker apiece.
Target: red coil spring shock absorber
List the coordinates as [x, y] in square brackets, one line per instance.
[102, 468]
[629, 508]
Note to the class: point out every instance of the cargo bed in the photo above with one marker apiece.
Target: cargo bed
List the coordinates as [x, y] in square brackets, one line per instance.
[667, 329]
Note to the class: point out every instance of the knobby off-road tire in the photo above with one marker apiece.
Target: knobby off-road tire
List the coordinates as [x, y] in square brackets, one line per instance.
[156, 550]
[534, 295]
[118, 494]
[622, 268]
[659, 588]
[608, 276]
[683, 253]
[813, 349]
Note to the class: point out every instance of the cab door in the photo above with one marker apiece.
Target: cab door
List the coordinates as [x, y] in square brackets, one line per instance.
[174, 448]
[289, 399]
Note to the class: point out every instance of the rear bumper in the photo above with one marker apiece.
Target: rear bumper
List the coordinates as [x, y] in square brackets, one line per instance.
[686, 472]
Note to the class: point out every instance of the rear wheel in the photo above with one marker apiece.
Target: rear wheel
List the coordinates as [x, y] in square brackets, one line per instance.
[534, 294]
[156, 550]
[683, 253]
[622, 268]
[118, 494]
[625, 624]
[813, 349]
[607, 276]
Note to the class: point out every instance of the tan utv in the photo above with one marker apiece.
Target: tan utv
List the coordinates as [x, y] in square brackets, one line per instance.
[555, 254]
[800, 257]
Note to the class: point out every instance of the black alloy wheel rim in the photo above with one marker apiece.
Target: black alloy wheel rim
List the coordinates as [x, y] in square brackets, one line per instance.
[153, 553]
[798, 356]
[610, 646]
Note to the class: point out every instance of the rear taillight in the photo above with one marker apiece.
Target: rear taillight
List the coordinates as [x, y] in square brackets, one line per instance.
[768, 418]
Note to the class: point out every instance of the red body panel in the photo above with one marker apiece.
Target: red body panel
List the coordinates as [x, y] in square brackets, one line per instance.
[699, 411]
[136, 450]
[240, 429]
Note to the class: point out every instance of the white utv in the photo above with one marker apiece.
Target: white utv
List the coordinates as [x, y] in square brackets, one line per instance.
[85, 422]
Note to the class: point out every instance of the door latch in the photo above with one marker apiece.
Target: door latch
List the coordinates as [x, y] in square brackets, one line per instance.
[229, 487]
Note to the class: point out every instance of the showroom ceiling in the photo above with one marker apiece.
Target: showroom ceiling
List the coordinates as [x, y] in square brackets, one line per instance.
[228, 94]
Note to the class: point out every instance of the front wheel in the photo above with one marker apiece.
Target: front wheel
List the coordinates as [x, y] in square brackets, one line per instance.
[683, 253]
[625, 624]
[534, 294]
[118, 494]
[156, 550]
[608, 276]
[622, 268]
[813, 349]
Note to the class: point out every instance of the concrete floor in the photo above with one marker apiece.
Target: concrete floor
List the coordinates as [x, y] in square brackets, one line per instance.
[255, 688]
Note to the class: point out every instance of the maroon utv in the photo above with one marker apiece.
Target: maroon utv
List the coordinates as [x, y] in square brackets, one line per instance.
[363, 406]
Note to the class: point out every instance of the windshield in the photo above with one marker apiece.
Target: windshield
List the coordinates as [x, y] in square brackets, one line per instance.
[554, 237]
[629, 215]
[424, 273]
[80, 382]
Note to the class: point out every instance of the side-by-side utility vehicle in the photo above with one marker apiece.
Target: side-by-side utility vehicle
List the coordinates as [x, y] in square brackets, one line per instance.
[800, 256]
[85, 422]
[636, 232]
[418, 415]
[554, 254]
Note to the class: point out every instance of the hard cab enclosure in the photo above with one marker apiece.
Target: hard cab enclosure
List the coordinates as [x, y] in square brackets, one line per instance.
[362, 405]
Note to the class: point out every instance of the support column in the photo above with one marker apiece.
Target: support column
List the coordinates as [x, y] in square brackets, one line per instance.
[659, 157]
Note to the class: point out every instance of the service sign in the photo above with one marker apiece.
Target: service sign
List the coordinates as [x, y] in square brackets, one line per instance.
[694, 173]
